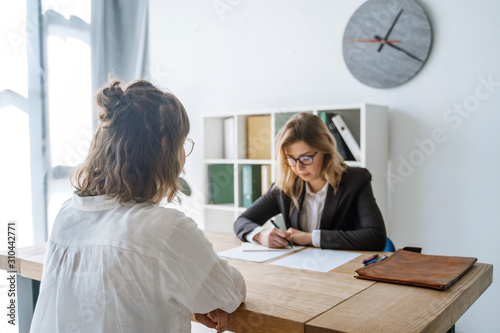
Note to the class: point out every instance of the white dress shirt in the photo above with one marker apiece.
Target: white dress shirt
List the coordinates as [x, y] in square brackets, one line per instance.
[130, 268]
[310, 215]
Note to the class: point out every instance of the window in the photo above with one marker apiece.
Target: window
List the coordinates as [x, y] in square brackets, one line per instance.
[45, 109]
[15, 145]
[69, 95]
[15, 174]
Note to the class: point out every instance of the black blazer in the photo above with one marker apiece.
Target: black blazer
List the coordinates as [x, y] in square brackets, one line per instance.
[351, 219]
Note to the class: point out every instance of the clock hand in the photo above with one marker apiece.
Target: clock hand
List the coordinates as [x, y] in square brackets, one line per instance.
[372, 41]
[399, 49]
[390, 29]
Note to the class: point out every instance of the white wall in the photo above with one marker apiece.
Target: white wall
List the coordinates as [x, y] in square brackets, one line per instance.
[284, 53]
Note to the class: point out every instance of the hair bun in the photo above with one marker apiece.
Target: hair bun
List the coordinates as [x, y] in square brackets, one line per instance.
[110, 101]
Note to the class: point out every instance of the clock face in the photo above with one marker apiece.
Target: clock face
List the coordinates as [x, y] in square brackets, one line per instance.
[386, 42]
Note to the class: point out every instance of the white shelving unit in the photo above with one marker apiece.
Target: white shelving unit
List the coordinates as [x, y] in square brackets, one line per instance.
[368, 124]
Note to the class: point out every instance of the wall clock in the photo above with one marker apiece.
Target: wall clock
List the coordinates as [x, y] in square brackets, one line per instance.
[386, 42]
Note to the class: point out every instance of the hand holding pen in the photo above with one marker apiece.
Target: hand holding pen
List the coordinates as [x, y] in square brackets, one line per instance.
[289, 243]
[273, 238]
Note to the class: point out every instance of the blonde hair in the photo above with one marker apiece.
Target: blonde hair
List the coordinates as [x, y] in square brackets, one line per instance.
[134, 152]
[313, 131]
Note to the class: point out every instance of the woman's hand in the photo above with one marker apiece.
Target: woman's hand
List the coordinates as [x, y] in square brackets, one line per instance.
[273, 238]
[299, 237]
[218, 319]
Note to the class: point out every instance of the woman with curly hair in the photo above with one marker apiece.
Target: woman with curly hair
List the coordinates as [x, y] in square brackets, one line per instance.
[116, 261]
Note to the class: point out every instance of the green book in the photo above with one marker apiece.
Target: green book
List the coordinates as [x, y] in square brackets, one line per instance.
[251, 186]
[220, 184]
[322, 115]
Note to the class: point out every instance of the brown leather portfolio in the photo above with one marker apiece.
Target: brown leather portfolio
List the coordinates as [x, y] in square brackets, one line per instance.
[416, 269]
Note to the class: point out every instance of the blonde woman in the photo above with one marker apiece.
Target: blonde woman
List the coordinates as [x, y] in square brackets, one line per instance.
[324, 202]
[118, 262]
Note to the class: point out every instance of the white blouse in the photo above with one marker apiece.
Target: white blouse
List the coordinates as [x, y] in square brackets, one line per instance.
[312, 210]
[130, 268]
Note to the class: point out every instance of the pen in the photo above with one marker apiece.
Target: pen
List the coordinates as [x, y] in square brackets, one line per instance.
[375, 260]
[289, 243]
[381, 259]
[370, 258]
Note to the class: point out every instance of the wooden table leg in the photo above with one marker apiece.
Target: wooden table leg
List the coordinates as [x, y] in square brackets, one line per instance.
[27, 295]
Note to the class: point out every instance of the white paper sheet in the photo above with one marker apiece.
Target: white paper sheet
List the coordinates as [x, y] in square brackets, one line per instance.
[256, 256]
[316, 259]
[246, 246]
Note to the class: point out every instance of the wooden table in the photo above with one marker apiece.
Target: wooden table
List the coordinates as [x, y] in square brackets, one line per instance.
[281, 299]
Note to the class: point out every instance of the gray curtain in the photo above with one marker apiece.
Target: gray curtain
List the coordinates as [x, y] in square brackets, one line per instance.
[119, 40]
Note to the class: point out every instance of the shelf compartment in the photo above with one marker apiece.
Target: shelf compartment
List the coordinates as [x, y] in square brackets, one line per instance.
[219, 137]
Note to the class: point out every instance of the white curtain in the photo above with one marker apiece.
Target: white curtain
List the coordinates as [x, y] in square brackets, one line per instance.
[119, 40]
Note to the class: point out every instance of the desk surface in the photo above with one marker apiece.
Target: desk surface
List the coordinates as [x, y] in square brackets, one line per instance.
[281, 299]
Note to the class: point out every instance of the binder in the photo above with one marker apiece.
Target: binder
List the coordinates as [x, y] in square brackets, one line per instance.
[259, 137]
[265, 174]
[346, 134]
[220, 184]
[228, 138]
[342, 148]
[251, 187]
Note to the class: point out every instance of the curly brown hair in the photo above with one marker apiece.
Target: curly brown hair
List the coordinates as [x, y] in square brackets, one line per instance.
[134, 152]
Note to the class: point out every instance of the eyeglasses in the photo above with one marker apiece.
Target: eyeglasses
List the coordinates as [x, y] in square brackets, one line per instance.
[304, 160]
[188, 146]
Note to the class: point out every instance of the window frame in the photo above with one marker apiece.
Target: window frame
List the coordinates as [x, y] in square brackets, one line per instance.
[41, 25]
